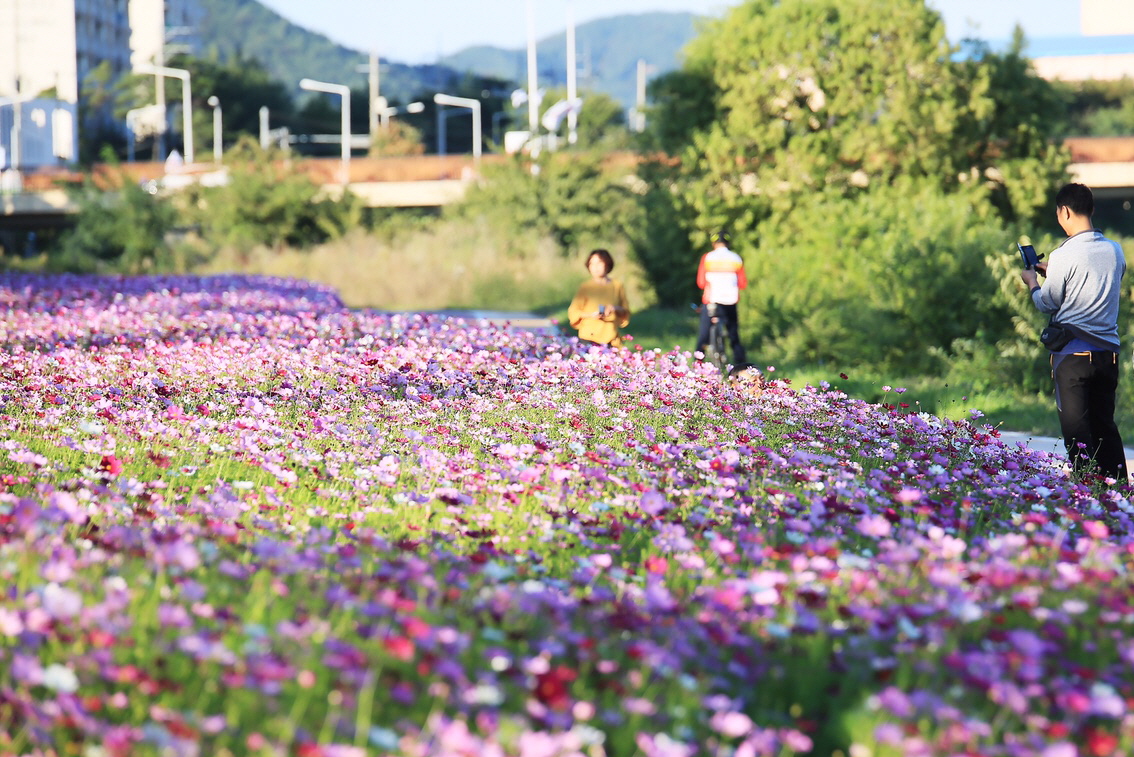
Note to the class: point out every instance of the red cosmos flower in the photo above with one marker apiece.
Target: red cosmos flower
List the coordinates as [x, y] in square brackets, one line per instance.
[656, 564]
[161, 461]
[111, 465]
[1100, 743]
[551, 687]
[399, 647]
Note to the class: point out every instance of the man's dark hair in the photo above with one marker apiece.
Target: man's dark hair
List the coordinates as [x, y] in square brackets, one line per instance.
[604, 256]
[721, 237]
[1077, 198]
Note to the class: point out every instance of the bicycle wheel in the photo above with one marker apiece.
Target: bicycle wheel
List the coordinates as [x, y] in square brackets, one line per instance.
[719, 356]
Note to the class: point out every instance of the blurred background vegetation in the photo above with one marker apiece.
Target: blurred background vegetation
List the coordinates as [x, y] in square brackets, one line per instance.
[875, 180]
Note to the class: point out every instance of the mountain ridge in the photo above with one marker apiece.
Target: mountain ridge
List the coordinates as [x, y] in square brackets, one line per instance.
[608, 53]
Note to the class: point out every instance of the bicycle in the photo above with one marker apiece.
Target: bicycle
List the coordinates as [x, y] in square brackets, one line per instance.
[715, 351]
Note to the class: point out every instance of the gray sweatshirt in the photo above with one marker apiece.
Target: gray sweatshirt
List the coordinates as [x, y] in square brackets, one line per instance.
[1084, 286]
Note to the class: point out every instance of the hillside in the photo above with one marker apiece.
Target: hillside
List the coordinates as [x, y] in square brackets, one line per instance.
[290, 52]
[608, 52]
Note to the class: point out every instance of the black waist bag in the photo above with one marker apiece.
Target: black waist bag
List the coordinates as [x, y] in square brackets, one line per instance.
[1055, 336]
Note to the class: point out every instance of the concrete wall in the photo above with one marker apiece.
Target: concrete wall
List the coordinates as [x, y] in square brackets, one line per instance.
[1106, 17]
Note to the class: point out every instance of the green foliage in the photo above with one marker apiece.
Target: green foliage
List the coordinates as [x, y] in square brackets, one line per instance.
[1097, 108]
[839, 95]
[397, 138]
[661, 236]
[105, 97]
[122, 231]
[890, 279]
[1008, 134]
[243, 86]
[601, 121]
[570, 196]
[1112, 122]
[263, 203]
[682, 103]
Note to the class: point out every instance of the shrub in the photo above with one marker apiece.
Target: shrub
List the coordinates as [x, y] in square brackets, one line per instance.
[891, 279]
[123, 231]
[570, 196]
[263, 203]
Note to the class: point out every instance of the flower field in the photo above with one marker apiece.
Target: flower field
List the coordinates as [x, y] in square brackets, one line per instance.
[238, 518]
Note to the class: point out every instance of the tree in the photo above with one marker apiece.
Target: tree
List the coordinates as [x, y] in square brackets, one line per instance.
[1098, 108]
[849, 94]
[265, 203]
[104, 99]
[242, 86]
[570, 196]
[683, 102]
[121, 231]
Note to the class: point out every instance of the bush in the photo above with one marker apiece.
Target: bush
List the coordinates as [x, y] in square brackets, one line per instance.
[662, 237]
[263, 203]
[570, 196]
[122, 231]
[891, 279]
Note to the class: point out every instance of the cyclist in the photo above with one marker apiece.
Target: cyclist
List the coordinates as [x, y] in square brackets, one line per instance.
[721, 276]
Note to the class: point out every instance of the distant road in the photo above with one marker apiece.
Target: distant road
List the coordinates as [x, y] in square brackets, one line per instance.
[1050, 444]
[510, 319]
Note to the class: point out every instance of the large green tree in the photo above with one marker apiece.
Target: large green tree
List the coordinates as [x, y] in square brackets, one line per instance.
[822, 95]
[823, 129]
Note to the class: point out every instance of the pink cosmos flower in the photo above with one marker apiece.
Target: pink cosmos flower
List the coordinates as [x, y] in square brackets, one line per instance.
[731, 725]
[1096, 529]
[874, 525]
[111, 465]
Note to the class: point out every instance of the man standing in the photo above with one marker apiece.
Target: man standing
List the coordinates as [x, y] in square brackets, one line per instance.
[1081, 291]
[721, 276]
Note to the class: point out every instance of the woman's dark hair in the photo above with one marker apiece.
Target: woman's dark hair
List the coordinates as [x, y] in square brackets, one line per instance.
[604, 256]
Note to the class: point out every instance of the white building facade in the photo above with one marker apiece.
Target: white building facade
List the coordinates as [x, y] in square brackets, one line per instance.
[48, 48]
[161, 28]
[1103, 51]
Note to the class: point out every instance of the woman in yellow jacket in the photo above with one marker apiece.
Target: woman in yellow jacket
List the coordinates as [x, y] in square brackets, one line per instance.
[599, 308]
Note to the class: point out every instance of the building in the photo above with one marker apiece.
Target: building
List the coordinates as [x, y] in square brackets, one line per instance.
[161, 28]
[158, 30]
[48, 48]
[1104, 49]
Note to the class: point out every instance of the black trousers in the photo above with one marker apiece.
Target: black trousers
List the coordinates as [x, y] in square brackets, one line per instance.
[1085, 385]
[726, 313]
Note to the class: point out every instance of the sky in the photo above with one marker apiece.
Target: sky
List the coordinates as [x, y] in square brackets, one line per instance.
[421, 31]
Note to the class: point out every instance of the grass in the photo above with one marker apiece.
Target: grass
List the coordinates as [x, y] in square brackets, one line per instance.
[438, 264]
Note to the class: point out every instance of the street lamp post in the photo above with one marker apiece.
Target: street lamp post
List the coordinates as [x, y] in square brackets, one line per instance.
[214, 102]
[383, 110]
[471, 104]
[343, 92]
[186, 101]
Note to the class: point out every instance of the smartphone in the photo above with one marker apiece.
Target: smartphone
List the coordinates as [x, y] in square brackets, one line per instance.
[1028, 255]
[602, 309]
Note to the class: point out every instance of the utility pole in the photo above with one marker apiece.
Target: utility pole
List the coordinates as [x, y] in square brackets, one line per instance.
[375, 92]
[572, 117]
[159, 83]
[16, 110]
[533, 75]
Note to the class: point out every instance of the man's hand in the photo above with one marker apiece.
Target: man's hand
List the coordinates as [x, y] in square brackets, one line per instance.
[1030, 278]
